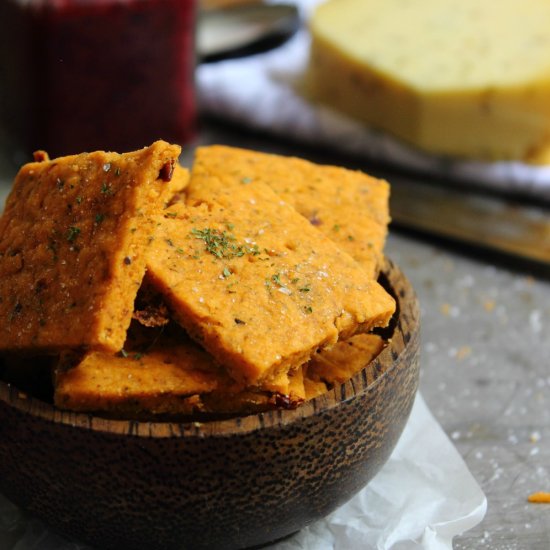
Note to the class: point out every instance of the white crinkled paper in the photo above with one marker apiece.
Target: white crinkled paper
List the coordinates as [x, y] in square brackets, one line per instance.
[421, 498]
[260, 91]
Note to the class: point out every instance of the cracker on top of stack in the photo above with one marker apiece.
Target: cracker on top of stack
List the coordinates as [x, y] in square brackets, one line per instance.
[247, 285]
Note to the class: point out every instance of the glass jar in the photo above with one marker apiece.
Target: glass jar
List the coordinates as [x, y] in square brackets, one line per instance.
[80, 75]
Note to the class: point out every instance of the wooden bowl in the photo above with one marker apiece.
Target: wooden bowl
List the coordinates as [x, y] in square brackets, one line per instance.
[224, 484]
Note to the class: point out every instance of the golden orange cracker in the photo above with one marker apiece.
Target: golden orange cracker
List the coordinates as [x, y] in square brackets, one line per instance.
[254, 282]
[148, 372]
[346, 358]
[348, 206]
[72, 247]
[161, 371]
[313, 388]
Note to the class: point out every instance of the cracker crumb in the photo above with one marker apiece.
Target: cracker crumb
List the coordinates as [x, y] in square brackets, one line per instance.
[540, 497]
[463, 352]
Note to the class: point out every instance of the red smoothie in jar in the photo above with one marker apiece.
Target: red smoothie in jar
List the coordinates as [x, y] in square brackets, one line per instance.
[80, 75]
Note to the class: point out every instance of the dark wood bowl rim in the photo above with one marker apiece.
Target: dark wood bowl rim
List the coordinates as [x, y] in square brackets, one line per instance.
[406, 301]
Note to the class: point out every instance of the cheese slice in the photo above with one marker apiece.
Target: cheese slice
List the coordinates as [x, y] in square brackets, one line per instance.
[454, 77]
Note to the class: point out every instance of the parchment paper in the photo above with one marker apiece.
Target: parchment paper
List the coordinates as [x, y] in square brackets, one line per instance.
[261, 91]
[422, 498]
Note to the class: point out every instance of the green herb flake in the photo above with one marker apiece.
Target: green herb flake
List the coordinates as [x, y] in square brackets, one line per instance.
[78, 200]
[351, 238]
[123, 353]
[253, 250]
[222, 244]
[306, 288]
[106, 189]
[137, 356]
[226, 273]
[117, 171]
[336, 227]
[246, 180]
[217, 243]
[72, 233]
[99, 218]
[171, 214]
[308, 309]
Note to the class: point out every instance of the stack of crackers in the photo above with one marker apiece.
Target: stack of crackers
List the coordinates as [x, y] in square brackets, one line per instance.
[246, 285]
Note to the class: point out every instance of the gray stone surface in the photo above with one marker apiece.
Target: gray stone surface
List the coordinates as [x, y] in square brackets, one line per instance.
[485, 365]
[486, 377]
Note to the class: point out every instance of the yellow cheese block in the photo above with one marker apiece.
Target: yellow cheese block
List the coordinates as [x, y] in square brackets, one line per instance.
[467, 78]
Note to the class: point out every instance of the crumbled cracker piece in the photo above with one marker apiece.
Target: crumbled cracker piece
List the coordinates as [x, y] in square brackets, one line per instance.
[540, 497]
[150, 309]
[348, 206]
[176, 185]
[72, 247]
[254, 282]
[255, 399]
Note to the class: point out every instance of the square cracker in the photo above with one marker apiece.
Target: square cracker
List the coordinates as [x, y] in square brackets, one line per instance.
[72, 240]
[254, 282]
[348, 206]
[162, 371]
[345, 359]
[339, 363]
